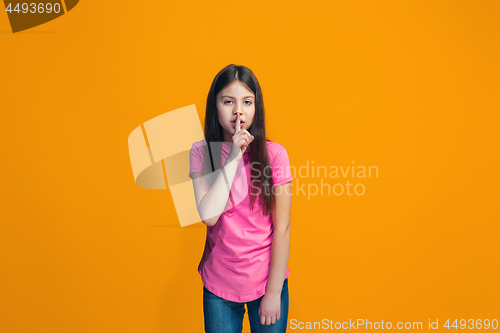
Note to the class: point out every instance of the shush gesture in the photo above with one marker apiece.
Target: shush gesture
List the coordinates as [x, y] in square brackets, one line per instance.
[241, 137]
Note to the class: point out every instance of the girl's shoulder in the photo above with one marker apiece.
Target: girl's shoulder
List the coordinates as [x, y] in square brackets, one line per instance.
[200, 143]
[274, 148]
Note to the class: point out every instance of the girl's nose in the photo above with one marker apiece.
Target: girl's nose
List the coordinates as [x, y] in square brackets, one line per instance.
[239, 107]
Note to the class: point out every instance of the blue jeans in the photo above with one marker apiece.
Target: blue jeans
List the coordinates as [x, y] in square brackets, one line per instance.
[223, 316]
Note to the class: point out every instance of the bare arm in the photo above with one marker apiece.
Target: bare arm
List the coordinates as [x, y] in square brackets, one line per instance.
[270, 307]
[211, 200]
[280, 246]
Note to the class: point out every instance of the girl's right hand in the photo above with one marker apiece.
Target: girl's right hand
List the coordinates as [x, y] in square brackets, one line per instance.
[241, 139]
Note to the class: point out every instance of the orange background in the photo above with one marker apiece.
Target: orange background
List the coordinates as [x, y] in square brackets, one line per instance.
[409, 87]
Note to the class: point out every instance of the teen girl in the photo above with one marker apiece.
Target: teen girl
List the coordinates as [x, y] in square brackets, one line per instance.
[245, 260]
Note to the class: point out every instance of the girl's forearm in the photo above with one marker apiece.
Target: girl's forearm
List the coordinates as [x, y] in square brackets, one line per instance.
[213, 203]
[280, 249]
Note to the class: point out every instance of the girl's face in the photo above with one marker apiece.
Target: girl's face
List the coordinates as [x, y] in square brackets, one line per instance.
[234, 98]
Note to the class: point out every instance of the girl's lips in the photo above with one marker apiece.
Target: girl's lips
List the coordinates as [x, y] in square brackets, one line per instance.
[234, 123]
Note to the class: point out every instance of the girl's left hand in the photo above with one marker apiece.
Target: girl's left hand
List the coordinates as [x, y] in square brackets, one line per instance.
[270, 309]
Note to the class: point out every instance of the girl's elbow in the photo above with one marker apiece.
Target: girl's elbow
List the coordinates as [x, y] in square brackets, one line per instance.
[207, 217]
[282, 230]
[211, 221]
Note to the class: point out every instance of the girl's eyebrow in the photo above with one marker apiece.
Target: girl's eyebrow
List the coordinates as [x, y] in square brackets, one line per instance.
[233, 97]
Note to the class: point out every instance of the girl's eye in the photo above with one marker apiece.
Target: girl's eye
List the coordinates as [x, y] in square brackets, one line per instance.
[249, 102]
[227, 101]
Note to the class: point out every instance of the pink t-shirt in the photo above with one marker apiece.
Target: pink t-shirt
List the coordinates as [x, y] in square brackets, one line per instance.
[237, 255]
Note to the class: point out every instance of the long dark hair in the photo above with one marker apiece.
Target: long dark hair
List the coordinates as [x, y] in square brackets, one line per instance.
[260, 181]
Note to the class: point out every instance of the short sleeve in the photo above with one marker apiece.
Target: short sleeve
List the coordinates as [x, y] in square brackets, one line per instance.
[195, 161]
[281, 169]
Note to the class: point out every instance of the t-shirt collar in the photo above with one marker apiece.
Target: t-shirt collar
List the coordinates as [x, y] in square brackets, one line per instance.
[227, 147]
